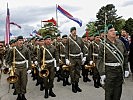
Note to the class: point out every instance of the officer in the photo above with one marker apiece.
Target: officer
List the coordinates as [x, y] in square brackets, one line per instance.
[51, 55]
[22, 55]
[94, 49]
[64, 71]
[86, 47]
[112, 63]
[73, 50]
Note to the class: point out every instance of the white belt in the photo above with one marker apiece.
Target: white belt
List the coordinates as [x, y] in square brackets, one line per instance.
[94, 54]
[86, 54]
[112, 64]
[62, 55]
[20, 62]
[49, 61]
[75, 55]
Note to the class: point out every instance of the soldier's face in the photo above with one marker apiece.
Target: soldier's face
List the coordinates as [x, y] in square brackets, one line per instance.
[48, 41]
[112, 33]
[73, 32]
[20, 42]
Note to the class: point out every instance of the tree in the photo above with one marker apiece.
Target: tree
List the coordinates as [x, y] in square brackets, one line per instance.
[48, 28]
[108, 12]
[129, 26]
[91, 27]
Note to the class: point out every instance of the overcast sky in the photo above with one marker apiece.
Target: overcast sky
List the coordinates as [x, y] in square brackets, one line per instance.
[29, 13]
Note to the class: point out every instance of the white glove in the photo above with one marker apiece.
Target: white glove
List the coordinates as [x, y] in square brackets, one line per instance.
[91, 62]
[83, 60]
[57, 68]
[126, 74]
[36, 63]
[103, 77]
[67, 62]
[29, 71]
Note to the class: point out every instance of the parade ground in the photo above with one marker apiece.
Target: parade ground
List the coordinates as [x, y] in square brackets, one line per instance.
[64, 93]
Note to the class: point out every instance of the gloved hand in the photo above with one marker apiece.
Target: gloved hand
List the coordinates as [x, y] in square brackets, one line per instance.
[36, 63]
[29, 71]
[126, 74]
[103, 77]
[91, 62]
[57, 68]
[67, 62]
[83, 60]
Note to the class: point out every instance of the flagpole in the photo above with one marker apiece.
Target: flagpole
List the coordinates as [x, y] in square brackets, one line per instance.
[56, 17]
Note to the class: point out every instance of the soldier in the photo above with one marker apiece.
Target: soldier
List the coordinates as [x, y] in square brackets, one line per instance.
[50, 56]
[85, 71]
[64, 71]
[73, 51]
[94, 49]
[2, 53]
[112, 63]
[22, 55]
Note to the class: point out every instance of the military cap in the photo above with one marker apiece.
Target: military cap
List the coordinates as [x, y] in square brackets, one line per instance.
[41, 39]
[117, 33]
[12, 41]
[47, 36]
[110, 26]
[101, 31]
[72, 28]
[37, 39]
[19, 37]
[58, 35]
[63, 36]
[84, 36]
[96, 34]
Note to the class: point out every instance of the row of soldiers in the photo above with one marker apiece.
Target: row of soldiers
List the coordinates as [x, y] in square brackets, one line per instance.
[62, 57]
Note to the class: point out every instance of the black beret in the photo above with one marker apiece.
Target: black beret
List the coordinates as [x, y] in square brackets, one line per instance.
[63, 36]
[47, 36]
[72, 28]
[84, 36]
[12, 41]
[96, 34]
[19, 37]
[58, 35]
[40, 39]
[101, 31]
[110, 26]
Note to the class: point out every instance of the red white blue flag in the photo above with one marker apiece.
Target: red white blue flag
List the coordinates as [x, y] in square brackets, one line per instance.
[68, 15]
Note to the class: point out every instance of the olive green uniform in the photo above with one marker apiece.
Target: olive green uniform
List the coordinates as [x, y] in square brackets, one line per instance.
[114, 74]
[21, 69]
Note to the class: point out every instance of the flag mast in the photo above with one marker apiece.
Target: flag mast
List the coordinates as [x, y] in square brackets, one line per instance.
[56, 18]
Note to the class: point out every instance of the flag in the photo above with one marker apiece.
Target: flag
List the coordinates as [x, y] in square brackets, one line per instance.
[35, 33]
[68, 15]
[15, 24]
[51, 20]
[7, 37]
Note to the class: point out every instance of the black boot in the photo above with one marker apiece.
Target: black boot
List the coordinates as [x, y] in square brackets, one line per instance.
[89, 80]
[67, 82]
[23, 97]
[46, 93]
[84, 79]
[51, 93]
[77, 87]
[74, 89]
[14, 93]
[95, 84]
[98, 82]
[19, 97]
[13, 86]
[64, 82]
[41, 87]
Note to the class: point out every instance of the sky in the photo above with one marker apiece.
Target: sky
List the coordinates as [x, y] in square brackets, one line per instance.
[29, 13]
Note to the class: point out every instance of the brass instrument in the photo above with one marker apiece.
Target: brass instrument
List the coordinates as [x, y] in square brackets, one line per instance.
[12, 77]
[44, 72]
[90, 66]
[33, 66]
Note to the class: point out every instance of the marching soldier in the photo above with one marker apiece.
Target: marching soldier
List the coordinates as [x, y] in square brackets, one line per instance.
[94, 49]
[63, 67]
[112, 63]
[73, 50]
[21, 56]
[86, 47]
[50, 56]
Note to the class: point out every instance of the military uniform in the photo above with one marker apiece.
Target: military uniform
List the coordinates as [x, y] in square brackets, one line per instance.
[116, 62]
[21, 68]
[51, 54]
[74, 48]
